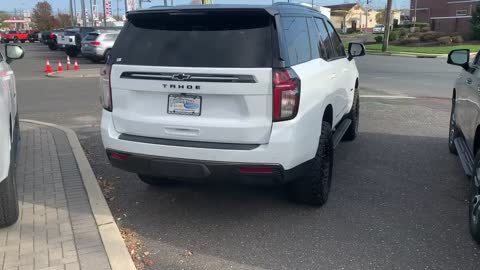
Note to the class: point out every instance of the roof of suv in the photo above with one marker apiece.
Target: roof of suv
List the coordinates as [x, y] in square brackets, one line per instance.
[277, 8]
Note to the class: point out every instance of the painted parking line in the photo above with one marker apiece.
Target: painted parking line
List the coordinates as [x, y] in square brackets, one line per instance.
[387, 97]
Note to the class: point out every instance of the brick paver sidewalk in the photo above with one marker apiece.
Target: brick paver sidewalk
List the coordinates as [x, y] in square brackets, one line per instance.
[56, 228]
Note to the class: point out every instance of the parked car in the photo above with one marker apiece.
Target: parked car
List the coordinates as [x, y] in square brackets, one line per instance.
[9, 134]
[464, 132]
[14, 36]
[71, 40]
[33, 36]
[97, 45]
[217, 96]
[379, 29]
[50, 38]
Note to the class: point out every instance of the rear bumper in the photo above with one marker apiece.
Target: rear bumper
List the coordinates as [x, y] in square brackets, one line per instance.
[201, 170]
[287, 148]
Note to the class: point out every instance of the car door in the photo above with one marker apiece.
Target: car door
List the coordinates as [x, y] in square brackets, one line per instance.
[345, 81]
[5, 119]
[470, 97]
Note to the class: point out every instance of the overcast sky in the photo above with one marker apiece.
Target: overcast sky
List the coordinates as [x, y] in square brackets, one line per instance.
[10, 5]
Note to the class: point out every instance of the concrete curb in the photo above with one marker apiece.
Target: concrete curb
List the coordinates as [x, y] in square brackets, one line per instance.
[115, 248]
[409, 55]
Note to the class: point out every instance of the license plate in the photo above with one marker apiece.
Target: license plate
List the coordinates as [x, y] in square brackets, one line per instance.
[184, 105]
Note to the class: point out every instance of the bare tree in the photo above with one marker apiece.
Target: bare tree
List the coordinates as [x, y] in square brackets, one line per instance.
[64, 20]
[42, 16]
[3, 16]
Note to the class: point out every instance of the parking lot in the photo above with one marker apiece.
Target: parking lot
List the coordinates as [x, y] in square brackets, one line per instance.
[398, 199]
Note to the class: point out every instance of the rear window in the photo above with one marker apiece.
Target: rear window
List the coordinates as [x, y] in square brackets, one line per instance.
[197, 39]
[91, 37]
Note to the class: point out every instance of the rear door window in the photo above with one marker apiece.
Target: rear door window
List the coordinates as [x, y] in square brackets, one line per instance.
[336, 41]
[297, 40]
[318, 48]
[322, 30]
[197, 39]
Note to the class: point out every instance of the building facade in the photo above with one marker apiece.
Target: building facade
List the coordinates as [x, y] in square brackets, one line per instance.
[355, 17]
[450, 16]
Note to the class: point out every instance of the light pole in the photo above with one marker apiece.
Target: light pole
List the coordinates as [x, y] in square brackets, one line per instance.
[388, 13]
[415, 14]
[84, 16]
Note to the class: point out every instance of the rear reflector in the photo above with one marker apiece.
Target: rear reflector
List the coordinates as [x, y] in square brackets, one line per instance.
[256, 170]
[118, 156]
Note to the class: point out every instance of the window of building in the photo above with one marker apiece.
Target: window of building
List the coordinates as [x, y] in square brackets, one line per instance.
[462, 12]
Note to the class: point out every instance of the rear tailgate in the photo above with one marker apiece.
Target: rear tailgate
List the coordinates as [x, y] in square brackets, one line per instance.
[202, 77]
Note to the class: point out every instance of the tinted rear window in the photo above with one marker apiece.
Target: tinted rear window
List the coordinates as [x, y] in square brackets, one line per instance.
[200, 39]
[91, 37]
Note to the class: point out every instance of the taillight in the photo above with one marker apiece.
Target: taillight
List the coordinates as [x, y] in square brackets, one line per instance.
[95, 43]
[106, 87]
[286, 94]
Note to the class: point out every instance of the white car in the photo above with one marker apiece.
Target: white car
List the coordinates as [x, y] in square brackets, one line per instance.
[379, 29]
[9, 134]
[210, 95]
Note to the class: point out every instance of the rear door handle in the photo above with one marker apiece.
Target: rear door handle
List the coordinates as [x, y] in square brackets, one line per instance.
[345, 70]
[333, 76]
[469, 81]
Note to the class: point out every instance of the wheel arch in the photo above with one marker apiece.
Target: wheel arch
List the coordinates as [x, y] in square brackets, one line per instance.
[328, 114]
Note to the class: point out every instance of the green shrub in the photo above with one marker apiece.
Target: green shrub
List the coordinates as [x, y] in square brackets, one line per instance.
[379, 39]
[402, 33]
[476, 32]
[393, 36]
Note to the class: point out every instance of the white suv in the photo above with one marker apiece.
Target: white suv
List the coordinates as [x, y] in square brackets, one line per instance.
[9, 134]
[247, 92]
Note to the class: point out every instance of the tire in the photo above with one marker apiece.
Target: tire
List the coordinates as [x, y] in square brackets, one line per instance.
[52, 46]
[8, 194]
[15, 40]
[72, 52]
[22, 41]
[354, 115]
[452, 130]
[31, 41]
[314, 187]
[474, 203]
[156, 181]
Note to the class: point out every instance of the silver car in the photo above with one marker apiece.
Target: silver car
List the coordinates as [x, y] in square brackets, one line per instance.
[96, 45]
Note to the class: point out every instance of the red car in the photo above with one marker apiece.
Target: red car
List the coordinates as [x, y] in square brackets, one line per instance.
[14, 36]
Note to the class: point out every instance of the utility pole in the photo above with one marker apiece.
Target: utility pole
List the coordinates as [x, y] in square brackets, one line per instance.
[366, 17]
[105, 14]
[165, 3]
[71, 12]
[415, 14]
[91, 13]
[84, 16]
[118, 9]
[126, 8]
[140, 4]
[388, 14]
[171, 3]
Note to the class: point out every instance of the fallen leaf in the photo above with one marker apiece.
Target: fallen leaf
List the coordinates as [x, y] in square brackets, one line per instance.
[148, 262]
[146, 253]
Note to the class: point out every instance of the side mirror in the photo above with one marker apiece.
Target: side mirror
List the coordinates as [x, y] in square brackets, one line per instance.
[355, 50]
[459, 58]
[13, 52]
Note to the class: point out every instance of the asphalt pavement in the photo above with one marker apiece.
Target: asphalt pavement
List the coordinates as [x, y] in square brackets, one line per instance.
[398, 199]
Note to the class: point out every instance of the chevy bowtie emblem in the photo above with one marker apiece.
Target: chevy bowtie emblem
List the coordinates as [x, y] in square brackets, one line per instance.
[180, 77]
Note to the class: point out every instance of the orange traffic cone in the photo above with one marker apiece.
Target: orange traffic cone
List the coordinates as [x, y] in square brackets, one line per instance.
[60, 67]
[48, 68]
[68, 62]
[75, 66]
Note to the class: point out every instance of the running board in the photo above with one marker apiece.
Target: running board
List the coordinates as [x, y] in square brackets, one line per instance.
[466, 156]
[340, 131]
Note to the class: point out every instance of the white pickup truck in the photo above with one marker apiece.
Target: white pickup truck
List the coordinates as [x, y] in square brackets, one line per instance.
[9, 134]
[71, 40]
